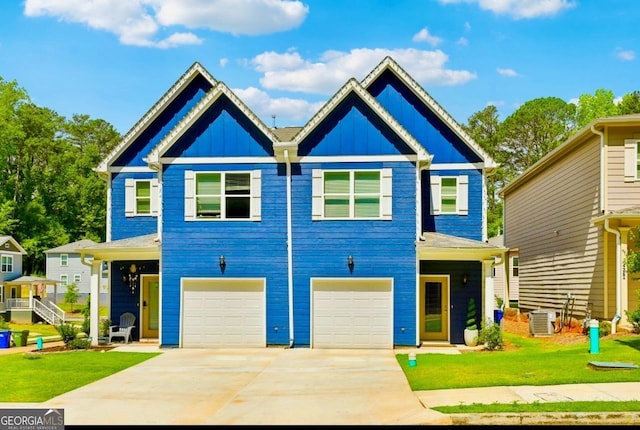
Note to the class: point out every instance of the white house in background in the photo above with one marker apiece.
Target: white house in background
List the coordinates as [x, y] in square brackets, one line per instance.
[64, 264]
[506, 286]
[10, 267]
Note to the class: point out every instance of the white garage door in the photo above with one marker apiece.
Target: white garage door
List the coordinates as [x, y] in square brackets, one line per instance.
[350, 313]
[223, 313]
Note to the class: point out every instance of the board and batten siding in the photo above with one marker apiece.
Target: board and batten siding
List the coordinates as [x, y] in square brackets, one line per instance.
[548, 218]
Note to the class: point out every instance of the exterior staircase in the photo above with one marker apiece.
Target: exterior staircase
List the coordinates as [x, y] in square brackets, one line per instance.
[49, 312]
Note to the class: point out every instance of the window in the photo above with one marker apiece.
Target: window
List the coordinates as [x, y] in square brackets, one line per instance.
[631, 160]
[141, 197]
[449, 195]
[516, 266]
[6, 263]
[76, 278]
[352, 194]
[64, 280]
[64, 259]
[222, 195]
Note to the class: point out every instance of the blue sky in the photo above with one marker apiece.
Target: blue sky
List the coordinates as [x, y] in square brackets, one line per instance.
[113, 59]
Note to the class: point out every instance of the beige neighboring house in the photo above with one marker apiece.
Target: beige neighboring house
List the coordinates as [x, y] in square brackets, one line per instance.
[570, 216]
[507, 289]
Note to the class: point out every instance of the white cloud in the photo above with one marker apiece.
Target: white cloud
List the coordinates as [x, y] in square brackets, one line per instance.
[496, 103]
[291, 72]
[507, 72]
[287, 111]
[625, 54]
[519, 9]
[463, 41]
[138, 22]
[424, 36]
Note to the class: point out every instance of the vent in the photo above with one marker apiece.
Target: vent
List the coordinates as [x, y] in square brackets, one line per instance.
[541, 322]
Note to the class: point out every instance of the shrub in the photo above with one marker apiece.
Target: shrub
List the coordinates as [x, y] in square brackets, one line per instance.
[4, 325]
[471, 315]
[491, 335]
[79, 343]
[604, 328]
[68, 332]
[634, 316]
[104, 327]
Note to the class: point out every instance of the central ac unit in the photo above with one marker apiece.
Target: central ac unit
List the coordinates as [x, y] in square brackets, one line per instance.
[541, 322]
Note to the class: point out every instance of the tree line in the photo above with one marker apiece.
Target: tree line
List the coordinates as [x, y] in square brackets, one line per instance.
[50, 195]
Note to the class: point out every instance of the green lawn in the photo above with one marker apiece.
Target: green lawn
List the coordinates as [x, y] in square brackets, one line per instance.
[535, 362]
[40, 377]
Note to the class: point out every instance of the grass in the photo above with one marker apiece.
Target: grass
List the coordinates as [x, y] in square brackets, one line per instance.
[40, 377]
[535, 362]
[538, 407]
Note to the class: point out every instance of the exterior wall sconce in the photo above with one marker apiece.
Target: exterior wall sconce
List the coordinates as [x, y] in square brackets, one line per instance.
[350, 263]
[222, 263]
[465, 279]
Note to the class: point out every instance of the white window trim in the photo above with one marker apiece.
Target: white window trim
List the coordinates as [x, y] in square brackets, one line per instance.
[631, 160]
[64, 260]
[130, 207]
[386, 194]
[255, 196]
[9, 259]
[462, 197]
[77, 278]
[64, 280]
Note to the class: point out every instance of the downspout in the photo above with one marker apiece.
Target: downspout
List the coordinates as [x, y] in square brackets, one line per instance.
[608, 228]
[289, 247]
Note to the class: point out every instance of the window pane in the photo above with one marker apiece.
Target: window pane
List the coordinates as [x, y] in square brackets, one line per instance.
[336, 207]
[336, 182]
[448, 186]
[208, 184]
[367, 182]
[237, 183]
[208, 207]
[448, 205]
[143, 206]
[367, 207]
[143, 189]
[238, 207]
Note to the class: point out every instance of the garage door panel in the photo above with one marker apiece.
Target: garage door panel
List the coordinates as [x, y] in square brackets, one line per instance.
[229, 313]
[352, 313]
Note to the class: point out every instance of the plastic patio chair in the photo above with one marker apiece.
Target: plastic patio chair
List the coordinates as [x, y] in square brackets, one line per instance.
[123, 329]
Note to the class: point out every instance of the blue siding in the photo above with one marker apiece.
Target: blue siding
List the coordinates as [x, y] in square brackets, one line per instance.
[162, 125]
[466, 226]
[122, 226]
[420, 121]
[384, 249]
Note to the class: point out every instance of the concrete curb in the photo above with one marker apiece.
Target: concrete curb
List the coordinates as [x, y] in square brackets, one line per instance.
[551, 418]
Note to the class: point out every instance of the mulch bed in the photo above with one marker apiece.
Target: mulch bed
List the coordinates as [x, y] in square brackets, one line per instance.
[65, 348]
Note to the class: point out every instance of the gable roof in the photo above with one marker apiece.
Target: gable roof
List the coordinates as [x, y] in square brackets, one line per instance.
[436, 246]
[389, 64]
[195, 70]
[11, 240]
[353, 87]
[207, 101]
[139, 247]
[594, 127]
[70, 248]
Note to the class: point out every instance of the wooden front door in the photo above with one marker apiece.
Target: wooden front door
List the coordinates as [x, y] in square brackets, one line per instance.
[434, 307]
[150, 306]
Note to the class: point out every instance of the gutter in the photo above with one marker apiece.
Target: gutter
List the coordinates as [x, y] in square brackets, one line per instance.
[289, 247]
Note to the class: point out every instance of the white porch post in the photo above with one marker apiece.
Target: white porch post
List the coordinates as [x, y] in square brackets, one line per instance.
[94, 320]
[489, 291]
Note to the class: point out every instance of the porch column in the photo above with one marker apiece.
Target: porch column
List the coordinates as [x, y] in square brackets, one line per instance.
[489, 291]
[94, 319]
[622, 294]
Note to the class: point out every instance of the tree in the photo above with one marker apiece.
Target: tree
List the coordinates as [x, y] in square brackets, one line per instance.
[483, 127]
[630, 103]
[533, 130]
[71, 296]
[598, 105]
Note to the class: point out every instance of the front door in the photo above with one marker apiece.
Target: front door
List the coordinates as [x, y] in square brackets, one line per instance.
[434, 307]
[150, 306]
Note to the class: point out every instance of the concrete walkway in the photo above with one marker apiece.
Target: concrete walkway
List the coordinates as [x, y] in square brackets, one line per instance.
[271, 386]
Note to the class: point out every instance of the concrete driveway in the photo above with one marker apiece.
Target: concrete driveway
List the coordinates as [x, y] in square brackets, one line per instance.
[250, 386]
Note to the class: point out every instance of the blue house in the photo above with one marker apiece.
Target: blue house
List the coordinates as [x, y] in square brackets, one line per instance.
[365, 228]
